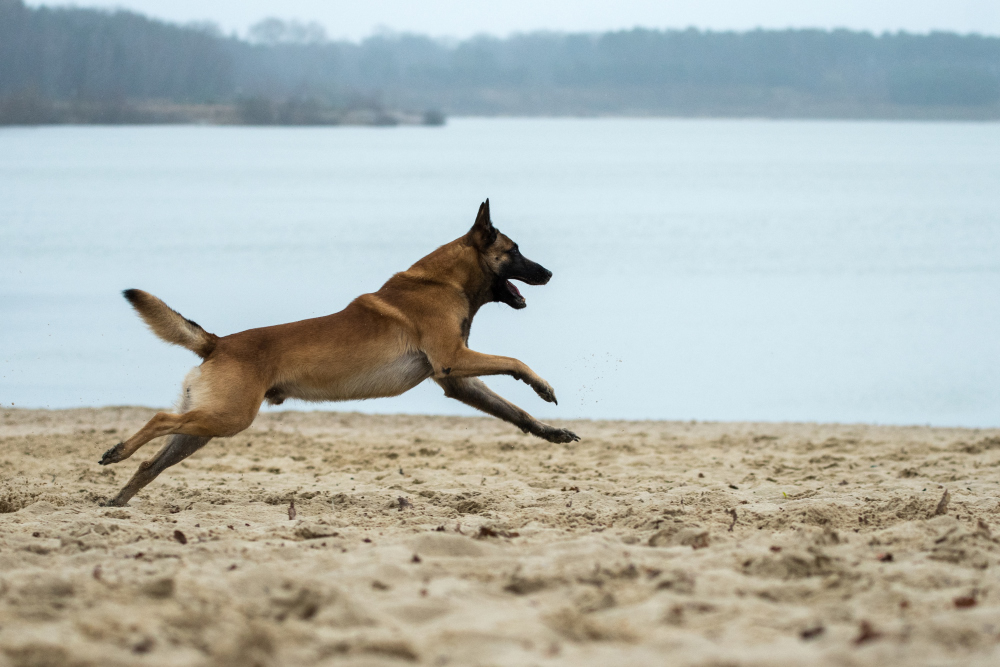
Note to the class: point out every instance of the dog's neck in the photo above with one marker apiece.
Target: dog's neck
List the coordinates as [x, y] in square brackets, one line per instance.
[458, 264]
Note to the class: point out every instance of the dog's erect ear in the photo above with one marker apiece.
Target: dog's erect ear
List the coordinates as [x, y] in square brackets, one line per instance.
[483, 234]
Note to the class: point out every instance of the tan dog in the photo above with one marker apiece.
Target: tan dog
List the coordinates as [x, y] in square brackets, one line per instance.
[415, 327]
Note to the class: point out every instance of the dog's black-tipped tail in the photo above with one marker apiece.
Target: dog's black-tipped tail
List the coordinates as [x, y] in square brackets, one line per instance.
[170, 325]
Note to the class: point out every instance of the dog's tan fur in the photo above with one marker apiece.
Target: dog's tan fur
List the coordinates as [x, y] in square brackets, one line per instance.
[415, 327]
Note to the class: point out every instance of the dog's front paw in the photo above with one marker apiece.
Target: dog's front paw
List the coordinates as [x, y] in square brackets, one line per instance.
[560, 436]
[545, 392]
[113, 455]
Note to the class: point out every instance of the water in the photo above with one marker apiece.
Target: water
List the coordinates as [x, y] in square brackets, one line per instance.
[730, 270]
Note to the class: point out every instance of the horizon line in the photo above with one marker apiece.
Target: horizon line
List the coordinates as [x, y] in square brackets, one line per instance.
[210, 25]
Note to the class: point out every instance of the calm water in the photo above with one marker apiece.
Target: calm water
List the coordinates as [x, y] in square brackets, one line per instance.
[834, 271]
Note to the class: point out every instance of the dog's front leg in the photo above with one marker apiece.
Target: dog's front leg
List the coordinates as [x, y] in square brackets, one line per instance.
[474, 393]
[463, 363]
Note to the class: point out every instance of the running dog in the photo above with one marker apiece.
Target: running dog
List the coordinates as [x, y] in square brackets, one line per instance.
[382, 344]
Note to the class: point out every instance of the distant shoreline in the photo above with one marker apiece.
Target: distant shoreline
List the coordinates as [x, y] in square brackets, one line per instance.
[29, 109]
[227, 115]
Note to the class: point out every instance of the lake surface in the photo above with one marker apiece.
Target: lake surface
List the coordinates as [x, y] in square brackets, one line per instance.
[704, 269]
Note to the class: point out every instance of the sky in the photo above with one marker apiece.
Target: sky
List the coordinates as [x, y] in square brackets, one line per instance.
[463, 18]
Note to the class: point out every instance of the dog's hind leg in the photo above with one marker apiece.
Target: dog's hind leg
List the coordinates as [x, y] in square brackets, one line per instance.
[178, 448]
[200, 423]
[162, 423]
[211, 405]
[474, 393]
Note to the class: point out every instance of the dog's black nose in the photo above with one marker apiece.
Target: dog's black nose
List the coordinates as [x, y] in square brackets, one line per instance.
[534, 273]
[541, 276]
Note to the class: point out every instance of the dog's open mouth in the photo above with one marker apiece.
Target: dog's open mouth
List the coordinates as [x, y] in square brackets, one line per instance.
[516, 299]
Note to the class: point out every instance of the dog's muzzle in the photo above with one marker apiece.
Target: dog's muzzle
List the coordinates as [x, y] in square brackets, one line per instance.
[527, 272]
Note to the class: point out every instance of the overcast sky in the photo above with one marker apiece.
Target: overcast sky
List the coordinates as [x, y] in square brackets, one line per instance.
[461, 18]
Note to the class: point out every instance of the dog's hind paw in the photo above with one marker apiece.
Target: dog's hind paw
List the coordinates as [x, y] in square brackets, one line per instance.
[113, 455]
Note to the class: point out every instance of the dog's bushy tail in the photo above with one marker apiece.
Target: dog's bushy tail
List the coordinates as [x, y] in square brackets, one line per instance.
[170, 325]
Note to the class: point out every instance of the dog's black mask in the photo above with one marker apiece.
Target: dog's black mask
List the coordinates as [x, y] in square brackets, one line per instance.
[517, 267]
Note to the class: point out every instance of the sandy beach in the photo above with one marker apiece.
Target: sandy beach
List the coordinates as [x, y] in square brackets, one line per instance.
[331, 538]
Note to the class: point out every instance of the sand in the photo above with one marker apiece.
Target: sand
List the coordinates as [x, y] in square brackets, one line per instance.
[454, 541]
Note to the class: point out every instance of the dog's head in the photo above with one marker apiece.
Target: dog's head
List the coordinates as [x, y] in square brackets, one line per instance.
[502, 260]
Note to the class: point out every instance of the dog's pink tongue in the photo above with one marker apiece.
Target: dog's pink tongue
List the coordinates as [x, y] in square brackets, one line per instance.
[513, 288]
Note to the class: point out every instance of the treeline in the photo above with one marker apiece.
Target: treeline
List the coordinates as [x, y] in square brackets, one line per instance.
[689, 72]
[70, 53]
[69, 58]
